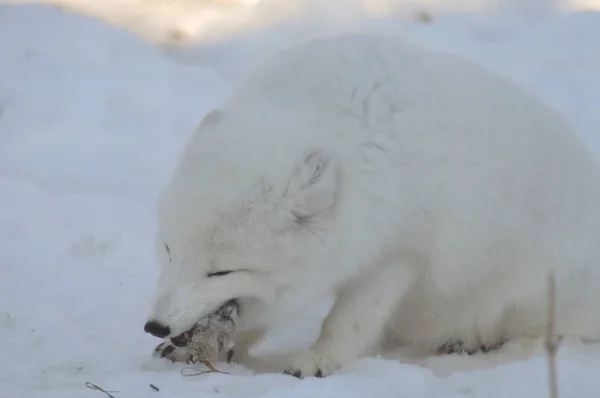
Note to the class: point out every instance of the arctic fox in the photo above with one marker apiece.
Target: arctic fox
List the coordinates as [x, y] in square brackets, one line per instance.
[431, 196]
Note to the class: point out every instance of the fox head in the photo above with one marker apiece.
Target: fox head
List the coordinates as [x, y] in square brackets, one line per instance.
[234, 224]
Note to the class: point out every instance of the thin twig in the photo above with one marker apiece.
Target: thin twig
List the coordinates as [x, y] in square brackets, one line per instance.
[552, 341]
[198, 372]
[212, 368]
[92, 386]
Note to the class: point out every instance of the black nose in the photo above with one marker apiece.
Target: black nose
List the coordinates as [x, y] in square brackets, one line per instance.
[157, 329]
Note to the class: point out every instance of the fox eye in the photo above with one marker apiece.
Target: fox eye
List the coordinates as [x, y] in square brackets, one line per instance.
[219, 273]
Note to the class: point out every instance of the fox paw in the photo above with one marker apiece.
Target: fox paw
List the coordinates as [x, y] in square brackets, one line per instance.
[174, 354]
[168, 350]
[460, 348]
[312, 365]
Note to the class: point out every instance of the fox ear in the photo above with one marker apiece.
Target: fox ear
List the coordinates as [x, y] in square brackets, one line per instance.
[313, 187]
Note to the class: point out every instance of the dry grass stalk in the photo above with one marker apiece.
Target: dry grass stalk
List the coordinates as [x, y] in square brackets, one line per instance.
[93, 386]
[553, 341]
[198, 372]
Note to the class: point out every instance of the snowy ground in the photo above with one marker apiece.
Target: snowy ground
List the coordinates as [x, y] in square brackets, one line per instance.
[91, 122]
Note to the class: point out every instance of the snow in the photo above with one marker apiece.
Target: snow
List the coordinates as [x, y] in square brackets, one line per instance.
[92, 119]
